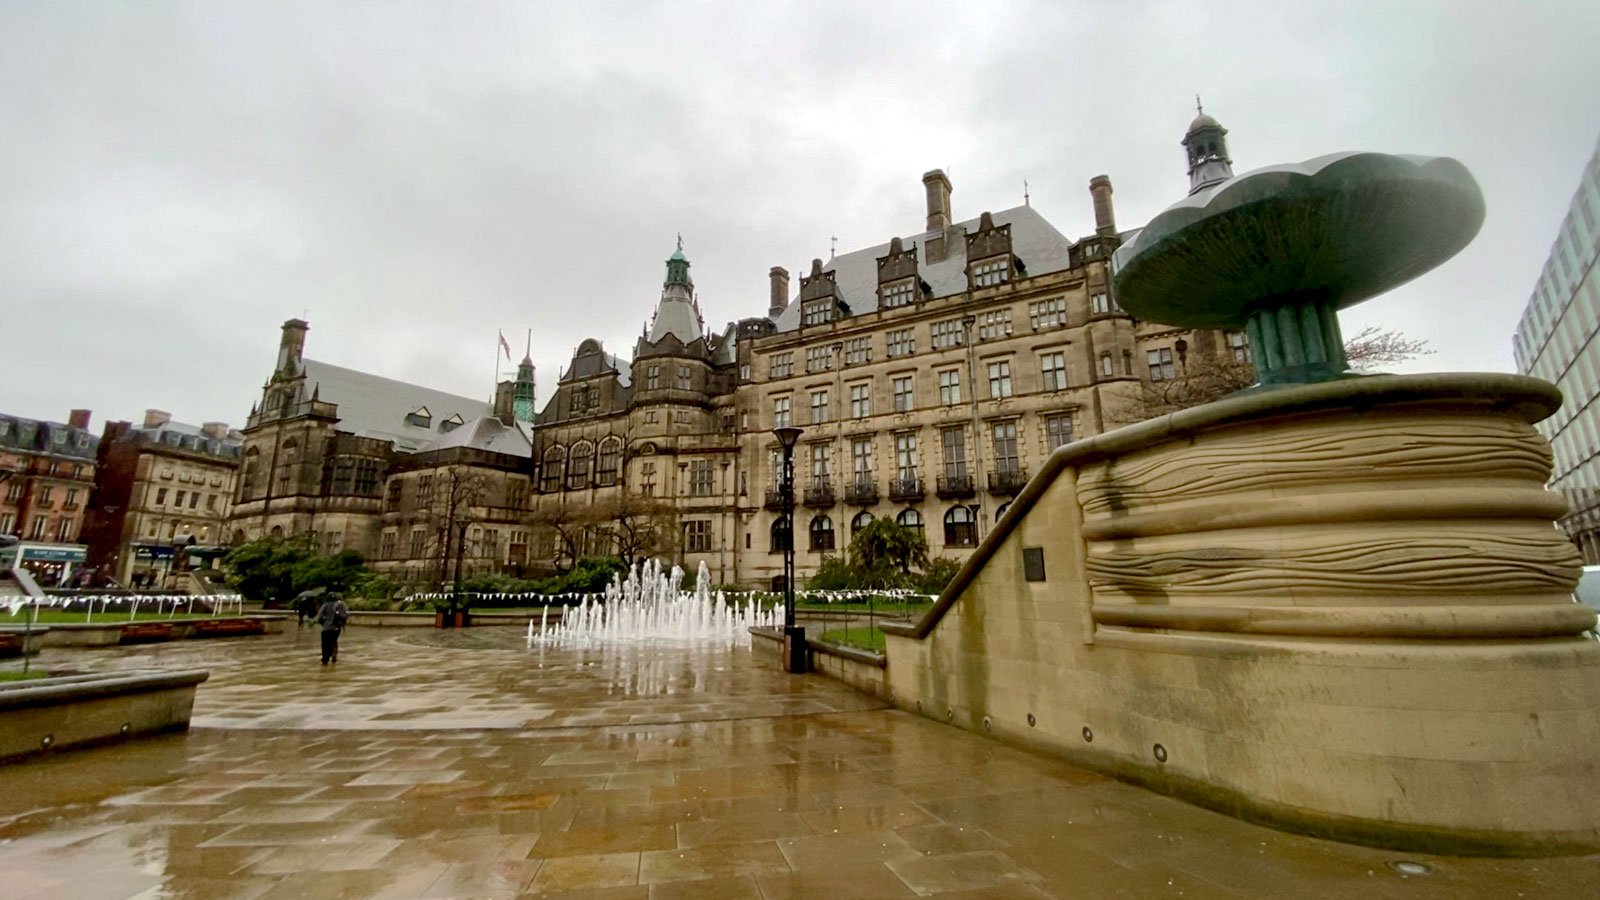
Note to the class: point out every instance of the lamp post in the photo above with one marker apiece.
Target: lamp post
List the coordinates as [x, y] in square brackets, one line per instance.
[794, 637]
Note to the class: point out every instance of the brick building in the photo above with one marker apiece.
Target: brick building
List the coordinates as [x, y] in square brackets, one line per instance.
[46, 477]
[162, 488]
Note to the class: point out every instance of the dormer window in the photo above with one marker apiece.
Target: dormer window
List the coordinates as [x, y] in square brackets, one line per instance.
[816, 312]
[902, 293]
[420, 418]
[992, 272]
[451, 424]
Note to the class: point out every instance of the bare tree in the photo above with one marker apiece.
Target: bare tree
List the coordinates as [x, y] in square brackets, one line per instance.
[637, 525]
[445, 505]
[1375, 347]
[631, 526]
[565, 525]
[1204, 378]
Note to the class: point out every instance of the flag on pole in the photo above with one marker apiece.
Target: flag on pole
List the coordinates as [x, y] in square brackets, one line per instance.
[503, 345]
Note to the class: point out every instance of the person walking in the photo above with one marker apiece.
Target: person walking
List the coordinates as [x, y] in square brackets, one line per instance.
[305, 607]
[332, 617]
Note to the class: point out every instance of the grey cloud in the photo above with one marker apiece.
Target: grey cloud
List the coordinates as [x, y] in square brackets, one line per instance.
[180, 178]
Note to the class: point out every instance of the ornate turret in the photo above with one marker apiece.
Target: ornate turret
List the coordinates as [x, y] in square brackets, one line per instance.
[677, 314]
[523, 402]
[1207, 144]
[678, 267]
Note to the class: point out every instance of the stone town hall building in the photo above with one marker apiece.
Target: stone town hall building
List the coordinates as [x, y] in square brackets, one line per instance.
[932, 374]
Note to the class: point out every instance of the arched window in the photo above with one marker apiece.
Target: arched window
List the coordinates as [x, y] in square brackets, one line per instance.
[238, 537]
[960, 528]
[252, 471]
[578, 466]
[277, 531]
[780, 534]
[554, 462]
[910, 518]
[862, 520]
[287, 476]
[821, 533]
[1002, 510]
[610, 461]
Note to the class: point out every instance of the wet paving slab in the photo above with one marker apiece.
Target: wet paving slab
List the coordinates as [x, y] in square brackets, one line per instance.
[429, 765]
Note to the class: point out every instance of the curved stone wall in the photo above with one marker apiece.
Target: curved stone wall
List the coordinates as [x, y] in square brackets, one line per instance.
[1343, 608]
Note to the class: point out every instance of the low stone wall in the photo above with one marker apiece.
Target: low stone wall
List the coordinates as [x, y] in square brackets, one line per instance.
[369, 618]
[50, 714]
[372, 618]
[519, 619]
[112, 633]
[863, 670]
[20, 640]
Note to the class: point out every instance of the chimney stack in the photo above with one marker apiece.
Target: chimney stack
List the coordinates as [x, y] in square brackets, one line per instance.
[155, 418]
[1105, 219]
[292, 345]
[938, 200]
[780, 291]
[505, 401]
[79, 418]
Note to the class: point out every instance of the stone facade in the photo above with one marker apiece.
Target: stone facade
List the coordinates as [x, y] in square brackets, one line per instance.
[414, 479]
[931, 374]
[161, 488]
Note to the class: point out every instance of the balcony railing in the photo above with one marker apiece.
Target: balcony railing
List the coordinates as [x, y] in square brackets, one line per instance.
[906, 490]
[861, 492]
[1007, 481]
[774, 500]
[820, 494]
[953, 486]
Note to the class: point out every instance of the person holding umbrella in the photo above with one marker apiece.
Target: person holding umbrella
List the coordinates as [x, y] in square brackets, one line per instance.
[305, 605]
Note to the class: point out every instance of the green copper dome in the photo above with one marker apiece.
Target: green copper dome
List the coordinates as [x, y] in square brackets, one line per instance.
[678, 267]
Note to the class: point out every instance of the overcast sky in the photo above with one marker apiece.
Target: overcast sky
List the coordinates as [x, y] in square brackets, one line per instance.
[178, 179]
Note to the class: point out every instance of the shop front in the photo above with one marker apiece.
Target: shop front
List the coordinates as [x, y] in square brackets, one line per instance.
[51, 565]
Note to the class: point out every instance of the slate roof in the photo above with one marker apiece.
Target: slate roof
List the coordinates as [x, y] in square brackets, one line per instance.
[376, 407]
[487, 433]
[49, 438]
[1035, 241]
[190, 437]
[676, 315]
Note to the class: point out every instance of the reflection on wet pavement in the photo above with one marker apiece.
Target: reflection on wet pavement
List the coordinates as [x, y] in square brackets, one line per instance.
[465, 765]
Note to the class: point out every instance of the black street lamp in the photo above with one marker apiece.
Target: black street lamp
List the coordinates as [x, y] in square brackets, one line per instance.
[794, 637]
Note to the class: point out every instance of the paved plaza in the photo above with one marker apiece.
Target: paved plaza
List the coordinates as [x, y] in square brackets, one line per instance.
[428, 765]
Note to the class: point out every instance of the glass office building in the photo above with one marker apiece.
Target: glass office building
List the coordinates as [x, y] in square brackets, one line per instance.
[1556, 340]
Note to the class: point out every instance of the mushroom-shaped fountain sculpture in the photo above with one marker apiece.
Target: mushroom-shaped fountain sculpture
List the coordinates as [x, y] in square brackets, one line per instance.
[1277, 252]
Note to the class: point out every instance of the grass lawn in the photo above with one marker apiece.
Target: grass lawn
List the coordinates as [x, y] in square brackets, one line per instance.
[53, 616]
[863, 638]
[23, 676]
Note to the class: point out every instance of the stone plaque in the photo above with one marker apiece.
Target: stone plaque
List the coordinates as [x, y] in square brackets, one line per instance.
[1033, 563]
